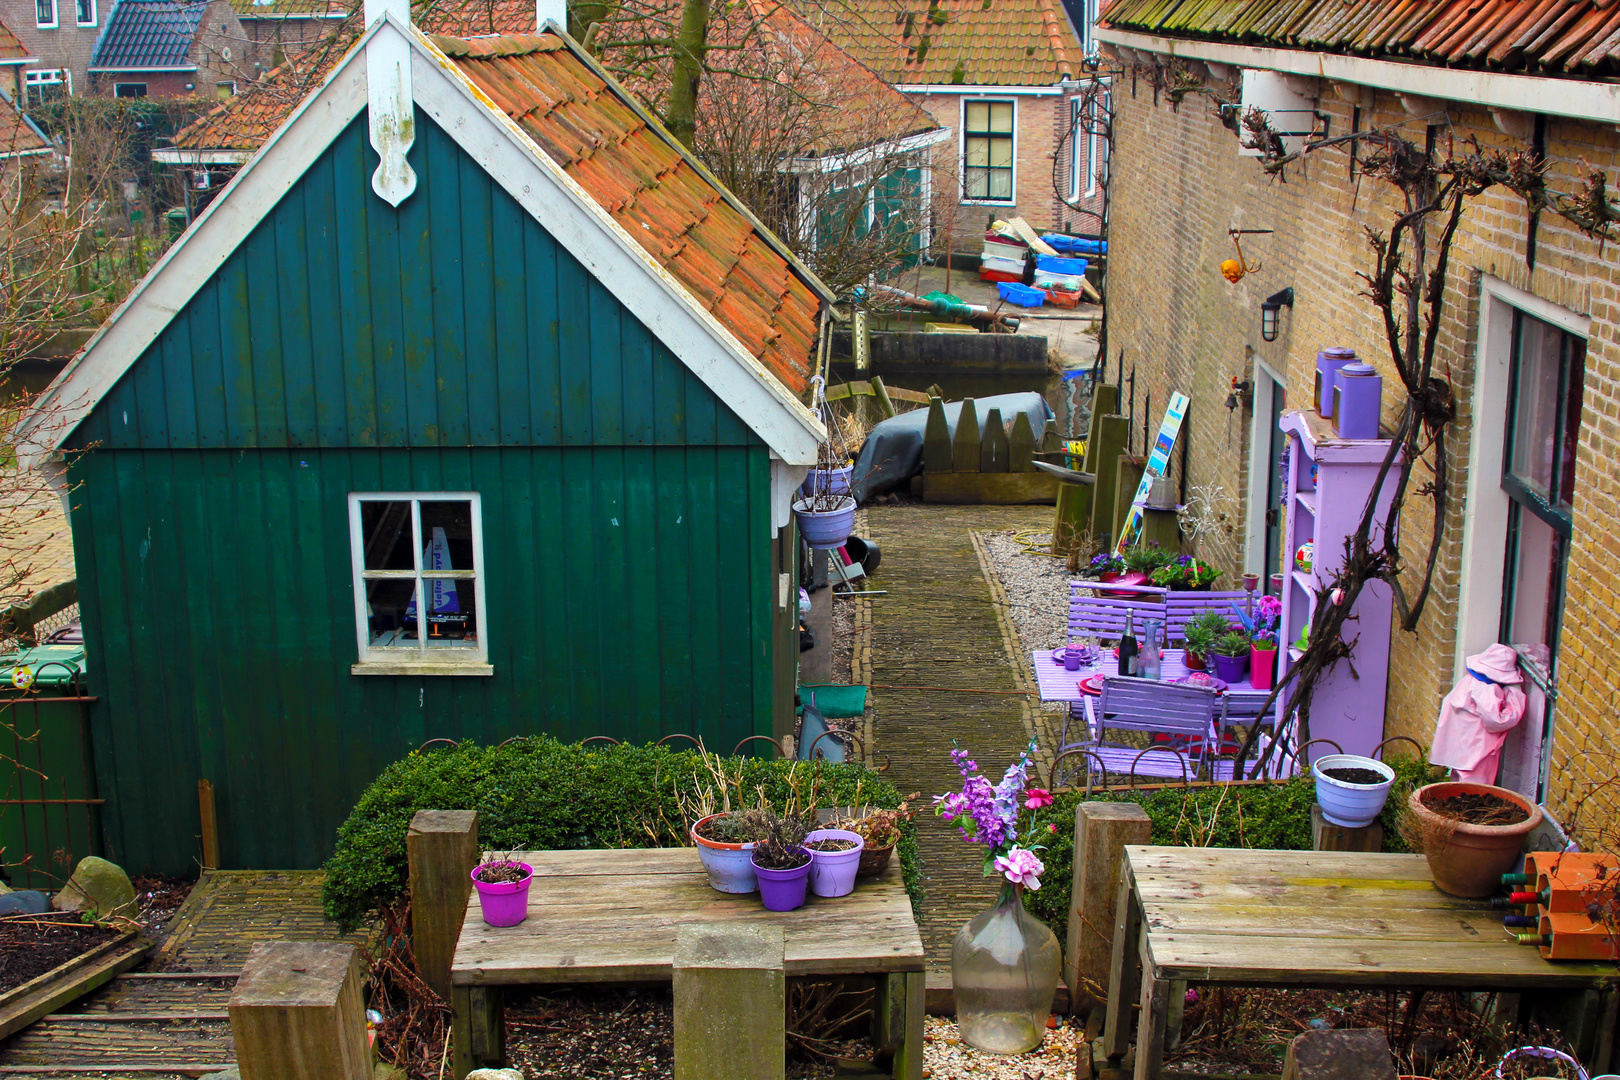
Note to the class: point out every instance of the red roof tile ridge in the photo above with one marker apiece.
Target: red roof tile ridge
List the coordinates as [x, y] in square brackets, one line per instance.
[1055, 39]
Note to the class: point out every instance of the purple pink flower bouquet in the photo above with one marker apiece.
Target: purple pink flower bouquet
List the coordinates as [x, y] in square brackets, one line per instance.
[988, 814]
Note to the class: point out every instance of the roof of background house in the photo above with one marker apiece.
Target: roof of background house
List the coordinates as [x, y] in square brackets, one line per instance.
[1546, 37]
[945, 42]
[292, 9]
[673, 208]
[148, 35]
[11, 46]
[18, 135]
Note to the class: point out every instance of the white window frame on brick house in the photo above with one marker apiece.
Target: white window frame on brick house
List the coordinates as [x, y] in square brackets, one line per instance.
[79, 8]
[1488, 509]
[417, 658]
[962, 150]
[35, 82]
[1095, 157]
[40, 7]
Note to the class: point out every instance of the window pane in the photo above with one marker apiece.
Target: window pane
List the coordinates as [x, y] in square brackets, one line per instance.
[1001, 184]
[389, 609]
[448, 545]
[47, 11]
[1001, 116]
[385, 530]
[978, 114]
[1536, 363]
[86, 11]
[1001, 153]
[976, 152]
[1574, 391]
[976, 183]
[1536, 582]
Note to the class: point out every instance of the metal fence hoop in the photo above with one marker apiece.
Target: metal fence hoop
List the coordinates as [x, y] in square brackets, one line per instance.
[433, 742]
[735, 750]
[1186, 780]
[1102, 767]
[681, 735]
[597, 738]
[1378, 751]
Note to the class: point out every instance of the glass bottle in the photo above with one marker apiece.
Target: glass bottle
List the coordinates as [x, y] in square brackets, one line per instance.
[1150, 657]
[1004, 970]
[1127, 647]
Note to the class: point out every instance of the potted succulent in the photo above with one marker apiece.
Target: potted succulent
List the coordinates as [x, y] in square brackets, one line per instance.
[1231, 655]
[835, 856]
[724, 847]
[1200, 637]
[880, 830]
[780, 860]
[503, 884]
[1185, 574]
[1471, 834]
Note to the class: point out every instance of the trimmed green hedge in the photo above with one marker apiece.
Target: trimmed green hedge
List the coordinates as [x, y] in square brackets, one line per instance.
[1263, 816]
[539, 794]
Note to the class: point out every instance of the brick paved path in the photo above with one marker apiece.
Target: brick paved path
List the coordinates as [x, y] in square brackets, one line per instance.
[937, 627]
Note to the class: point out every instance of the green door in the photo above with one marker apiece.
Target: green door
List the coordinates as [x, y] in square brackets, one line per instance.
[897, 211]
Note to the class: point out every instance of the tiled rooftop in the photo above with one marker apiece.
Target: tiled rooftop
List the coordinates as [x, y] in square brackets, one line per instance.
[11, 46]
[148, 35]
[1547, 37]
[678, 214]
[17, 135]
[292, 9]
[1001, 43]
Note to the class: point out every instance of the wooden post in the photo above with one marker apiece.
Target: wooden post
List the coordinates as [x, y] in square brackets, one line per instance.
[860, 342]
[442, 849]
[897, 1021]
[936, 440]
[1161, 527]
[1104, 402]
[1101, 831]
[1021, 445]
[881, 392]
[1130, 475]
[296, 1012]
[965, 444]
[1109, 444]
[1326, 836]
[210, 824]
[730, 1002]
[993, 448]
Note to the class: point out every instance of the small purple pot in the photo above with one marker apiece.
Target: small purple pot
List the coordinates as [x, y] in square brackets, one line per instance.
[782, 890]
[1229, 669]
[504, 903]
[832, 873]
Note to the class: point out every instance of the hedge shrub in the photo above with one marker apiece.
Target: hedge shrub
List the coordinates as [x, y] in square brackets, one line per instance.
[1263, 816]
[539, 794]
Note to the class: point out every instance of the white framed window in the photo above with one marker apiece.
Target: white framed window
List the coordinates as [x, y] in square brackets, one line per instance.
[84, 11]
[129, 89]
[418, 560]
[989, 143]
[48, 84]
[45, 14]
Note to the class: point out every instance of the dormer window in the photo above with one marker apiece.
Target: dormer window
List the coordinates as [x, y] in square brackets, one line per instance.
[85, 12]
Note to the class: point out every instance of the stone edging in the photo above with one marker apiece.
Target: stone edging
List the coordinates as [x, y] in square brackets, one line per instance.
[1023, 673]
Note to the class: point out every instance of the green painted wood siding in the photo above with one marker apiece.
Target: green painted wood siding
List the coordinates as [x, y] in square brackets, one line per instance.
[449, 345]
[453, 320]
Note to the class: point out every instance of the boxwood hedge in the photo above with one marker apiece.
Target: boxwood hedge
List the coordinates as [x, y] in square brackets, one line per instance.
[1262, 816]
[538, 794]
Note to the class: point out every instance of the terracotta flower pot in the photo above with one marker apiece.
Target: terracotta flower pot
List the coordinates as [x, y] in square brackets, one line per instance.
[1469, 860]
[1194, 661]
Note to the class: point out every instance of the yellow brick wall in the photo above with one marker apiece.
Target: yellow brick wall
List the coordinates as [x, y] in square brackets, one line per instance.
[1180, 184]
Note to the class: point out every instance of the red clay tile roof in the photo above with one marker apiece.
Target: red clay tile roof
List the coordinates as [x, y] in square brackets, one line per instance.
[17, 135]
[292, 9]
[1543, 37]
[941, 42]
[11, 46]
[656, 191]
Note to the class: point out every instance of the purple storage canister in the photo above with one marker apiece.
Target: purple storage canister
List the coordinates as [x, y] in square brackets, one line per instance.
[1328, 363]
[1357, 399]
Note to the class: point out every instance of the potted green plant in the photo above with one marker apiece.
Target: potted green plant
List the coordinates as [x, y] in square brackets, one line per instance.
[881, 831]
[1200, 637]
[1105, 566]
[1231, 654]
[781, 863]
[1185, 574]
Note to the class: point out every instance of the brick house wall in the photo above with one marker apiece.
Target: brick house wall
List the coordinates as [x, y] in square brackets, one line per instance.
[67, 46]
[1182, 326]
[280, 39]
[222, 52]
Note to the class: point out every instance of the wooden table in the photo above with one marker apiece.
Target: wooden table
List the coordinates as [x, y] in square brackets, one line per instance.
[612, 916]
[1300, 918]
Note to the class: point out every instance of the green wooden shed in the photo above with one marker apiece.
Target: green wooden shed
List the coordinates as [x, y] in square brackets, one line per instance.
[471, 409]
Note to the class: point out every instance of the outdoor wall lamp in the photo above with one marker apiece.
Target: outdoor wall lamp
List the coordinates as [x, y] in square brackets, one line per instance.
[1269, 309]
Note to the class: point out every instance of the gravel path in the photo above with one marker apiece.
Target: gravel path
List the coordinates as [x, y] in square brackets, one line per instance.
[1037, 588]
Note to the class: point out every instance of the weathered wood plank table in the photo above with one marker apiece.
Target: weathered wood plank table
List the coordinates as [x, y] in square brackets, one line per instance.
[612, 917]
[1300, 918]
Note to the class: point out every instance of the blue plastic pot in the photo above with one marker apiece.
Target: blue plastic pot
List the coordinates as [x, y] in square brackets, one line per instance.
[825, 529]
[828, 481]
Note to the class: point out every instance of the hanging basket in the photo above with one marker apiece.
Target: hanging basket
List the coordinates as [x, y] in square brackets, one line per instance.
[827, 481]
[825, 529]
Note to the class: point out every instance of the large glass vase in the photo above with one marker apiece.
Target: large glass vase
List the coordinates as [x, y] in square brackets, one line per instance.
[1004, 970]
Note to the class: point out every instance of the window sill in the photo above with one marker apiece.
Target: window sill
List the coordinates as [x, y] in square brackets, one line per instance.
[989, 202]
[400, 667]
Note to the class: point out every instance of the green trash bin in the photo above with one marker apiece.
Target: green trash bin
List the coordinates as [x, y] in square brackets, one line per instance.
[177, 222]
[49, 814]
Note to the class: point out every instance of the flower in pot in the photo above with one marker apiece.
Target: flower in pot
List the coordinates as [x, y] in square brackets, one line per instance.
[1145, 558]
[880, 831]
[1185, 573]
[1351, 789]
[1105, 566]
[502, 884]
[1263, 631]
[835, 858]
[780, 860]
[724, 847]
[1231, 655]
[1471, 834]
[1200, 637]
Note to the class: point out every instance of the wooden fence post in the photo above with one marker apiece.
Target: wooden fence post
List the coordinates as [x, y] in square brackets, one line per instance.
[296, 1012]
[965, 443]
[730, 1002]
[937, 450]
[993, 450]
[442, 848]
[1101, 831]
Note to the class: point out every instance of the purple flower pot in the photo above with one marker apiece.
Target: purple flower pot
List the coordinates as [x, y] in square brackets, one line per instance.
[832, 873]
[782, 890]
[1229, 669]
[504, 903]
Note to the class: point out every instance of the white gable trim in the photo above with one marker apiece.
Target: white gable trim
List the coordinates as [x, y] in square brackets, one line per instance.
[553, 198]
[624, 268]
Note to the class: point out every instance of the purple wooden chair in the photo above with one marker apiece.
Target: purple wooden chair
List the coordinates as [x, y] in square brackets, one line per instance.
[1185, 713]
[1105, 617]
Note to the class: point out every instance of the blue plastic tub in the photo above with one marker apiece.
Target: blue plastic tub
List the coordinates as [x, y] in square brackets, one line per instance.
[1022, 295]
[1054, 264]
[1076, 245]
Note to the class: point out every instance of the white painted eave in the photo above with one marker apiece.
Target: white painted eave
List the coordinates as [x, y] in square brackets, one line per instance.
[1578, 99]
[173, 155]
[980, 90]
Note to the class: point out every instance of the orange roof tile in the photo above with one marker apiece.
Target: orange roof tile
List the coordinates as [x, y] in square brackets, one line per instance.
[696, 230]
[11, 46]
[944, 42]
[17, 135]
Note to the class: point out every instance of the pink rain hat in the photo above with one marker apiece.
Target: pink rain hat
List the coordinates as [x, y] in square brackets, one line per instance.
[1499, 663]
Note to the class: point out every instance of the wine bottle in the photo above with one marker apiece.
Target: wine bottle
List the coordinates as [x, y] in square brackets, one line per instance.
[1127, 646]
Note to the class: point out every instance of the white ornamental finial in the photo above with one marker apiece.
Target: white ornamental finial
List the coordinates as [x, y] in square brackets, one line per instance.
[393, 116]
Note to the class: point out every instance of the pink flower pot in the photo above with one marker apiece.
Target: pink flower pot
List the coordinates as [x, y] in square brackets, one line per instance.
[1262, 668]
[1129, 578]
[504, 903]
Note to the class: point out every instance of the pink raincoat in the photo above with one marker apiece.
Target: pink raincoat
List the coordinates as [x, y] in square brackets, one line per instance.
[1474, 721]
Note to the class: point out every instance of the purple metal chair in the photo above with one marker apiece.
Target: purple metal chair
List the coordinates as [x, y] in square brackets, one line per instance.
[1181, 608]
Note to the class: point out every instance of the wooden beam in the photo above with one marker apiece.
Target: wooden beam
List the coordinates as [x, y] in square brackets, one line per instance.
[297, 1011]
[1021, 444]
[965, 443]
[881, 392]
[442, 849]
[210, 824]
[993, 447]
[937, 452]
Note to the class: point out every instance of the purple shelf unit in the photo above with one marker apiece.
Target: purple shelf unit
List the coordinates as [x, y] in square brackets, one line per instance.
[1346, 709]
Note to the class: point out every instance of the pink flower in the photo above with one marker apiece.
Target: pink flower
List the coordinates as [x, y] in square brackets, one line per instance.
[1035, 798]
[1051, 829]
[1021, 867]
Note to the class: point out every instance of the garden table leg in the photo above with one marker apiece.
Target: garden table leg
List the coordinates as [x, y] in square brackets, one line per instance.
[1151, 1030]
[477, 1029]
[1123, 971]
[908, 987]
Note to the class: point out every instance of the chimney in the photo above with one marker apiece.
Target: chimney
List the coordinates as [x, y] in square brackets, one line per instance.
[554, 10]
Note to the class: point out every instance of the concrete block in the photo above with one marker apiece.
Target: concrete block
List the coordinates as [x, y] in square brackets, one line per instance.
[730, 1003]
[1101, 831]
[1360, 1054]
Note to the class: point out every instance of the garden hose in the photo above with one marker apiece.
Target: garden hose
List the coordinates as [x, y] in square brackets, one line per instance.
[1025, 538]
